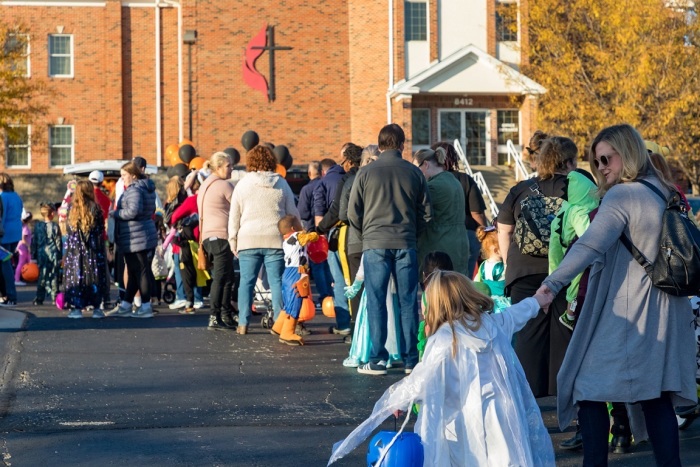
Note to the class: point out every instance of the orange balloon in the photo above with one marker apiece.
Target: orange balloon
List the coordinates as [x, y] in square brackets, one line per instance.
[197, 163]
[328, 307]
[185, 141]
[281, 170]
[171, 154]
[308, 310]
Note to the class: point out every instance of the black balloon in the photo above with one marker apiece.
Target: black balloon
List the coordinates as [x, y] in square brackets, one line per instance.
[187, 153]
[249, 140]
[281, 152]
[181, 170]
[234, 155]
[288, 161]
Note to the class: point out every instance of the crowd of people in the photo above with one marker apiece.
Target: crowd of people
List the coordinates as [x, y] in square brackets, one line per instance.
[568, 312]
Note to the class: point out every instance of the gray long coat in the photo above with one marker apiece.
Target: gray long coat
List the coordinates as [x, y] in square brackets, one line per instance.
[632, 340]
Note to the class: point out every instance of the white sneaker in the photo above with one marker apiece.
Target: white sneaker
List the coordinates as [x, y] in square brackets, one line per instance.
[178, 304]
[198, 305]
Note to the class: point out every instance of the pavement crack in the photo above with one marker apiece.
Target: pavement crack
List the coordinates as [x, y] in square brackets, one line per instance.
[327, 400]
[240, 369]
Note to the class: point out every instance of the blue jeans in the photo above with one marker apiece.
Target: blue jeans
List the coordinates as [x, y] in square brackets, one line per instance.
[379, 265]
[180, 289]
[322, 278]
[474, 250]
[250, 261]
[8, 273]
[342, 313]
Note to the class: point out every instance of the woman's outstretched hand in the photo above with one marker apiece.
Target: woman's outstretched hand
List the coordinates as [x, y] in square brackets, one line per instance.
[544, 297]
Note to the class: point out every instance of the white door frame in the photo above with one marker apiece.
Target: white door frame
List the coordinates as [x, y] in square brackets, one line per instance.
[463, 136]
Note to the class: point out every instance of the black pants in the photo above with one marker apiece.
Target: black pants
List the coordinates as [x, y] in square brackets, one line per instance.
[141, 279]
[660, 422]
[541, 344]
[221, 258]
[188, 272]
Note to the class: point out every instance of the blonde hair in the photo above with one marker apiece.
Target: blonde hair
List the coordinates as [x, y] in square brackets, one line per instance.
[488, 239]
[628, 143]
[660, 164]
[554, 154]
[172, 189]
[218, 159]
[451, 297]
[369, 154]
[82, 210]
[439, 156]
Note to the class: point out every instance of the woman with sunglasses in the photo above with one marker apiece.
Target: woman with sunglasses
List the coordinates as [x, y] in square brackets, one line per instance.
[633, 342]
[541, 344]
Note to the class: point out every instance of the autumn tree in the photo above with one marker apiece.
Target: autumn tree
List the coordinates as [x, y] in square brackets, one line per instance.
[22, 98]
[612, 61]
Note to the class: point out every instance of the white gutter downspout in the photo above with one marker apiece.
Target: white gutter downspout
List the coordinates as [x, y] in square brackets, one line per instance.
[391, 61]
[159, 129]
[176, 4]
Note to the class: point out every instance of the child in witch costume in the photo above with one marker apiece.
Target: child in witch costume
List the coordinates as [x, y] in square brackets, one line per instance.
[295, 279]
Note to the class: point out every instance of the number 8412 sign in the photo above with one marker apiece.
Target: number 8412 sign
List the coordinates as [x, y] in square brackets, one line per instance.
[464, 101]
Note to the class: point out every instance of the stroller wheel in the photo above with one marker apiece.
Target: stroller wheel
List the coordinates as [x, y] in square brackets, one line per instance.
[168, 297]
[266, 322]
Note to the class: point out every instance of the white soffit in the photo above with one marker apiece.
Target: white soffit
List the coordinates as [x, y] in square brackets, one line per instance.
[64, 3]
[469, 70]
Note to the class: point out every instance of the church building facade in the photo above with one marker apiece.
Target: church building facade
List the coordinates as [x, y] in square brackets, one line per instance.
[134, 76]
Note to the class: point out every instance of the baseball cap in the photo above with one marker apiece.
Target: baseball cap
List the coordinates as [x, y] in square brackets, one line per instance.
[96, 176]
[140, 162]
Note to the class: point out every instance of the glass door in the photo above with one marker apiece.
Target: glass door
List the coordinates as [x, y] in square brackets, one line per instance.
[470, 127]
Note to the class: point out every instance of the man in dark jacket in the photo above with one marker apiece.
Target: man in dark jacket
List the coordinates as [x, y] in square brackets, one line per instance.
[324, 193]
[319, 271]
[390, 207]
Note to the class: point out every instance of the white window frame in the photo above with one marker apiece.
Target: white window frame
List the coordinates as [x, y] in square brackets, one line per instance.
[28, 146]
[28, 65]
[72, 145]
[427, 21]
[71, 56]
[414, 145]
[517, 21]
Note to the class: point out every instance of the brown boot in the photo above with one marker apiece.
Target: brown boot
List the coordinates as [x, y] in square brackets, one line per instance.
[287, 335]
[276, 329]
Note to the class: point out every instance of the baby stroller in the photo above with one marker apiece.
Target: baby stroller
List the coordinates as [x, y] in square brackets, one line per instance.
[262, 304]
[169, 290]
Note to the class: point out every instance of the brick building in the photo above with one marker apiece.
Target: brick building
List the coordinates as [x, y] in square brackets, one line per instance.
[134, 76]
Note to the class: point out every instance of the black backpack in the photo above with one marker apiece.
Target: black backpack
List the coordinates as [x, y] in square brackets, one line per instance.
[676, 269]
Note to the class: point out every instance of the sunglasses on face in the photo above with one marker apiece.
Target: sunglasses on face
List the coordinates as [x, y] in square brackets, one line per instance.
[603, 161]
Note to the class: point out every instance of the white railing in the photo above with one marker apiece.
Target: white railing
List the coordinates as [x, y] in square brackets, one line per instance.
[521, 172]
[479, 179]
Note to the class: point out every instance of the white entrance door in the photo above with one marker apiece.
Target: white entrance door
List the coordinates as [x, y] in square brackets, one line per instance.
[468, 126]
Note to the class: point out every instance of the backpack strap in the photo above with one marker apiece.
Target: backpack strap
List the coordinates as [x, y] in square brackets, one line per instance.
[641, 259]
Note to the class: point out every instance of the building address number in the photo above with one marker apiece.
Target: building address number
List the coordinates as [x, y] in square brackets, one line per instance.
[464, 101]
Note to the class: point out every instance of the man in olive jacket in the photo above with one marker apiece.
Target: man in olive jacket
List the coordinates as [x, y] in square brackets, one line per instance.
[390, 206]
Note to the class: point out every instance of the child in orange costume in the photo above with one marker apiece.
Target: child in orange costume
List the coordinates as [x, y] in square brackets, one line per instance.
[295, 279]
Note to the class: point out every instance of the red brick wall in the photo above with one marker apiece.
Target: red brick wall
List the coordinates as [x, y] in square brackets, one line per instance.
[312, 112]
[91, 100]
[369, 69]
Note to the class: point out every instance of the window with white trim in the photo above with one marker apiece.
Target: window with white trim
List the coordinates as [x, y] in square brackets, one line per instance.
[60, 145]
[61, 55]
[506, 21]
[416, 21]
[508, 122]
[17, 52]
[18, 146]
[420, 127]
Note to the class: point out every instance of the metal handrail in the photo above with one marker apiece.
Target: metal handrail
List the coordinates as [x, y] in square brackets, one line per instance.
[521, 172]
[478, 178]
